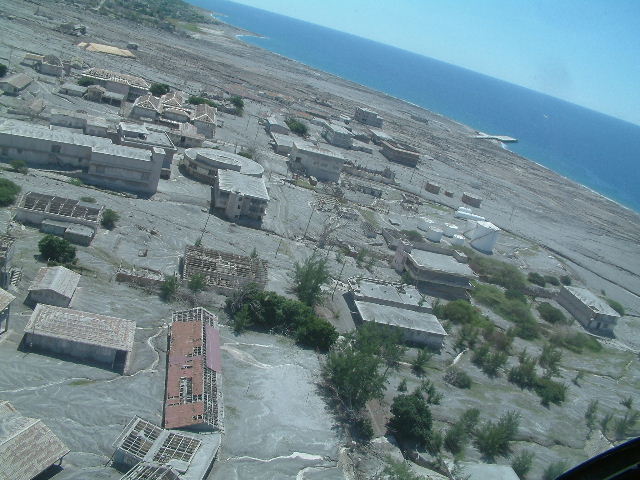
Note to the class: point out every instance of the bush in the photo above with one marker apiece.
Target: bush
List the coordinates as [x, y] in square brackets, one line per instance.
[395, 470]
[467, 337]
[169, 287]
[19, 166]
[457, 436]
[591, 413]
[308, 279]
[76, 181]
[551, 314]
[623, 425]
[509, 308]
[617, 306]
[420, 362]
[56, 249]
[8, 192]
[109, 219]
[85, 82]
[493, 438]
[550, 279]
[363, 429]
[238, 103]
[524, 375]
[195, 100]
[550, 391]
[536, 279]
[457, 377]
[565, 280]
[521, 463]
[3, 69]
[461, 312]
[411, 419]
[159, 89]
[549, 360]
[488, 360]
[297, 127]
[412, 235]
[316, 333]
[495, 271]
[88, 199]
[554, 470]
[197, 282]
[577, 342]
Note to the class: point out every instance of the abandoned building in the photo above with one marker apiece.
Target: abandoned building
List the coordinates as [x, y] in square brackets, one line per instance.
[151, 471]
[7, 243]
[107, 341]
[53, 286]
[368, 117]
[190, 454]
[102, 163]
[240, 196]
[60, 216]
[593, 312]
[275, 124]
[98, 93]
[282, 144]
[223, 272]
[147, 107]
[72, 89]
[5, 304]
[378, 136]
[149, 138]
[84, 123]
[14, 84]
[204, 119]
[193, 397]
[397, 307]
[400, 153]
[322, 163]
[440, 272]
[337, 135]
[130, 86]
[27, 446]
[205, 163]
[140, 276]
[51, 65]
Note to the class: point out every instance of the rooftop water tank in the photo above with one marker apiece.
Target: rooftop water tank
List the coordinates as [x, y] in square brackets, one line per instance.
[485, 236]
[434, 234]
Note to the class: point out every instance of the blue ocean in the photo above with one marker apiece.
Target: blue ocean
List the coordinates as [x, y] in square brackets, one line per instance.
[596, 150]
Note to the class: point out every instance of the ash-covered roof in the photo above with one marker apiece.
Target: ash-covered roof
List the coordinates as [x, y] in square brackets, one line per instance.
[438, 262]
[82, 327]
[591, 300]
[204, 113]
[29, 130]
[57, 279]
[149, 102]
[254, 187]
[17, 80]
[399, 317]
[103, 74]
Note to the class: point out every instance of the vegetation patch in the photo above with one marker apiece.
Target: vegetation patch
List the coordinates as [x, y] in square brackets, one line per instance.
[297, 127]
[195, 100]
[8, 192]
[577, 342]
[496, 271]
[551, 314]
[56, 249]
[512, 309]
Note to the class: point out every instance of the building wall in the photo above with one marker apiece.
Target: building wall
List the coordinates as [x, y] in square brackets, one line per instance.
[417, 337]
[44, 152]
[368, 118]
[237, 206]
[338, 139]
[324, 167]
[142, 112]
[82, 351]
[35, 217]
[4, 320]
[588, 318]
[205, 128]
[48, 297]
[48, 69]
[113, 171]
[399, 155]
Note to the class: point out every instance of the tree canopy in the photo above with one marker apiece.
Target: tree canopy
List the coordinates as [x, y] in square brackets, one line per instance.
[411, 419]
[56, 249]
[308, 279]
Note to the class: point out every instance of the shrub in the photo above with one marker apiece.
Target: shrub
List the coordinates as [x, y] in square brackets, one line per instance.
[395, 470]
[576, 341]
[524, 375]
[85, 82]
[197, 282]
[499, 339]
[509, 308]
[169, 287]
[554, 470]
[552, 280]
[195, 100]
[623, 425]
[565, 280]
[411, 419]
[550, 391]
[76, 181]
[549, 360]
[297, 127]
[428, 389]
[159, 89]
[308, 279]
[467, 337]
[458, 434]
[521, 463]
[551, 314]
[457, 377]
[412, 235]
[245, 154]
[402, 386]
[420, 362]
[3, 69]
[493, 438]
[516, 295]
[617, 306]
[316, 333]
[19, 166]
[591, 413]
[536, 279]
[56, 249]
[363, 429]
[238, 103]
[495, 271]
[109, 219]
[461, 312]
[488, 360]
[8, 192]
[88, 199]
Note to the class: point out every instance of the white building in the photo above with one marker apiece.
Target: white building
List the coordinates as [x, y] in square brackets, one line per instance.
[323, 163]
[53, 286]
[368, 117]
[337, 135]
[240, 195]
[593, 312]
[282, 144]
[484, 236]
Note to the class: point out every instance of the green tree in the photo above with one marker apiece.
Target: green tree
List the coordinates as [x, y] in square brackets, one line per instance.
[238, 103]
[521, 463]
[458, 434]
[85, 82]
[536, 279]
[3, 69]
[19, 166]
[308, 279]
[109, 219]
[395, 470]
[493, 438]
[457, 377]
[419, 364]
[550, 391]
[197, 282]
[316, 333]
[411, 419]
[159, 89]
[169, 287]
[56, 249]
[623, 425]
[549, 360]
[524, 375]
[617, 306]
[297, 127]
[591, 413]
[8, 192]
[551, 314]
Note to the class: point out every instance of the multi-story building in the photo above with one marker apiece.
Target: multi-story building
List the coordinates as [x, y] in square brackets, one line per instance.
[205, 163]
[239, 195]
[323, 163]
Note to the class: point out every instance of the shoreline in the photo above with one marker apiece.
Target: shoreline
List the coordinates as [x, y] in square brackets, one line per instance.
[449, 119]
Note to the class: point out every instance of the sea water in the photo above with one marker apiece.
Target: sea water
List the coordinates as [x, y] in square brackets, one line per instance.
[599, 151]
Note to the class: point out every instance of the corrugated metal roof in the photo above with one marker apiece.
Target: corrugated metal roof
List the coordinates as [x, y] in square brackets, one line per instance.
[82, 327]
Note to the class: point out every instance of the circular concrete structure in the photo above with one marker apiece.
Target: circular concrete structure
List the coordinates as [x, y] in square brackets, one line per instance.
[203, 160]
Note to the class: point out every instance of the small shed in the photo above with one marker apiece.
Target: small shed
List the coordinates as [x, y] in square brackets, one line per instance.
[53, 286]
[15, 83]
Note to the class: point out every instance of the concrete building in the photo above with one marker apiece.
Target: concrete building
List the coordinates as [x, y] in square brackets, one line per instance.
[400, 153]
[186, 136]
[378, 136]
[193, 395]
[224, 272]
[14, 84]
[176, 114]
[204, 119]
[276, 124]
[51, 65]
[440, 274]
[204, 164]
[282, 144]
[593, 313]
[100, 339]
[130, 86]
[238, 195]
[72, 89]
[27, 446]
[337, 135]
[7, 243]
[5, 304]
[322, 163]
[149, 138]
[147, 107]
[90, 125]
[389, 293]
[142, 443]
[174, 99]
[102, 163]
[368, 117]
[53, 286]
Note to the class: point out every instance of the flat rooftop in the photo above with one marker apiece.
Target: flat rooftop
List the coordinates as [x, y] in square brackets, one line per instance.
[29, 130]
[82, 327]
[441, 263]
[225, 160]
[235, 182]
[591, 300]
[305, 146]
[282, 139]
[399, 317]
[405, 294]
[103, 74]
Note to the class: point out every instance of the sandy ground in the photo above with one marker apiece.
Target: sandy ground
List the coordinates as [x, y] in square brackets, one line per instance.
[552, 226]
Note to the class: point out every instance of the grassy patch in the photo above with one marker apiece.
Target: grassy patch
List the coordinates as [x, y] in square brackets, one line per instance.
[577, 342]
[495, 271]
[512, 309]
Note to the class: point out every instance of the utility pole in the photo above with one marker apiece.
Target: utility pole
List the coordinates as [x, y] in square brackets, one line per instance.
[309, 222]
[278, 249]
